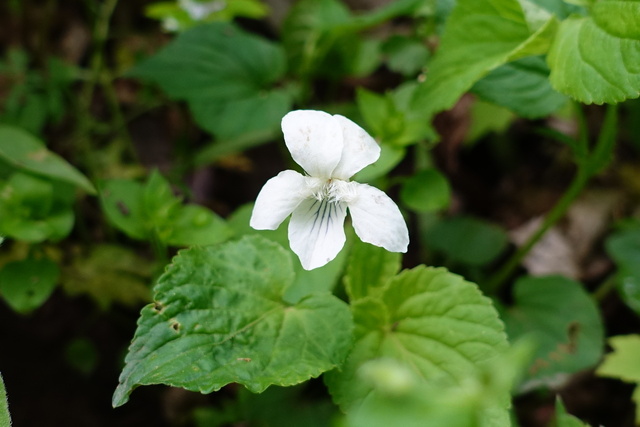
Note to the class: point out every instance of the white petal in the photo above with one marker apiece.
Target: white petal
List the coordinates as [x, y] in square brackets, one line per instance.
[359, 149]
[277, 199]
[316, 232]
[377, 219]
[314, 139]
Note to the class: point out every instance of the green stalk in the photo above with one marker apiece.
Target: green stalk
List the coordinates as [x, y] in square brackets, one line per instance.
[498, 280]
[120, 124]
[590, 162]
[86, 122]
[605, 287]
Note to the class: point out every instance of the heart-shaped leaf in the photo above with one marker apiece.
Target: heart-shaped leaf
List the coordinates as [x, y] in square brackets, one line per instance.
[429, 320]
[369, 269]
[227, 77]
[596, 59]
[564, 320]
[219, 317]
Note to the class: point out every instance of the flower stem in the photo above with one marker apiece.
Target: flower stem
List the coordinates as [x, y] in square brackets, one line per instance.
[605, 287]
[85, 120]
[499, 279]
[590, 162]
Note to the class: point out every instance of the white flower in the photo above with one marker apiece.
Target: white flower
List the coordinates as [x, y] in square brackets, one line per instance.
[331, 149]
[198, 10]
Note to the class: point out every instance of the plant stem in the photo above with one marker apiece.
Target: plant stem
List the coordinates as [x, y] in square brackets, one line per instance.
[605, 287]
[498, 280]
[120, 124]
[85, 120]
[589, 163]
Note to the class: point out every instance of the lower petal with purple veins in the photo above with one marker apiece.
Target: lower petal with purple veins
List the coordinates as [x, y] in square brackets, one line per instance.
[316, 231]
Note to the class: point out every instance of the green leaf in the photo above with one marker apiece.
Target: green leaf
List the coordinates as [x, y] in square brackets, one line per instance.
[197, 225]
[158, 200]
[620, 18]
[323, 279]
[391, 117]
[226, 75]
[426, 191]
[295, 408]
[173, 17]
[561, 316]
[239, 224]
[387, 12]
[25, 285]
[623, 362]
[152, 211]
[306, 32]
[390, 156]
[254, 9]
[219, 148]
[432, 322]
[82, 355]
[368, 58]
[635, 397]
[34, 209]
[563, 419]
[246, 116]
[24, 151]
[369, 269]
[405, 55]
[467, 240]
[486, 118]
[121, 201]
[306, 281]
[320, 35]
[400, 398]
[109, 274]
[5, 418]
[381, 114]
[624, 248]
[596, 59]
[480, 35]
[523, 87]
[561, 8]
[219, 317]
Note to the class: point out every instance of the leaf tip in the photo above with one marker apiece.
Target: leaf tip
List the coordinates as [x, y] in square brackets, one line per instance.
[120, 396]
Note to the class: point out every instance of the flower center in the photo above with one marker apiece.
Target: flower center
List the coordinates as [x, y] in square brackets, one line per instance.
[332, 190]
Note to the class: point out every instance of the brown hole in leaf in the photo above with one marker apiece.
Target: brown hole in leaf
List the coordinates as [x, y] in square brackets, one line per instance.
[124, 210]
[572, 331]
